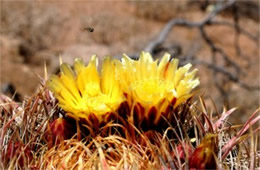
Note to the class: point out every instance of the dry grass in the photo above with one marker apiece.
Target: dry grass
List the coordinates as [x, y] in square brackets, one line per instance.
[121, 146]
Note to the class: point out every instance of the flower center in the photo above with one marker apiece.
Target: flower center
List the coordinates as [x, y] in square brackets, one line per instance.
[149, 90]
[97, 104]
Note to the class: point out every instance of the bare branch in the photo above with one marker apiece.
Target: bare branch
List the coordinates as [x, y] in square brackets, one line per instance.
[160, 39]
[242, 30]
[225, 72]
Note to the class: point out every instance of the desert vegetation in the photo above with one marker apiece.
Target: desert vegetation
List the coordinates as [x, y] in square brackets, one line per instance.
[147, 85]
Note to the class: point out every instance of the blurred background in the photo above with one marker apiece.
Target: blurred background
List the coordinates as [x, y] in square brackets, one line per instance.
[221, 38]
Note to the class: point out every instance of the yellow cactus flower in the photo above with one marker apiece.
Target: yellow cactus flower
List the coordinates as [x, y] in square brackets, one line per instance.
[152, 87]
[84, 93]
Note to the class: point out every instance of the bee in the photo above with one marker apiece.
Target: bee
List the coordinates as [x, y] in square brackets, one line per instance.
[89, 29]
